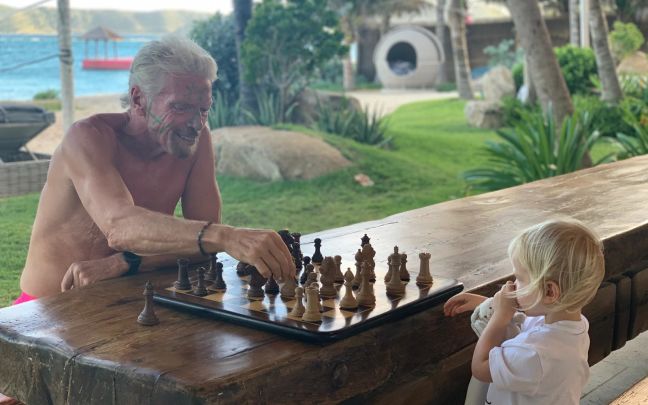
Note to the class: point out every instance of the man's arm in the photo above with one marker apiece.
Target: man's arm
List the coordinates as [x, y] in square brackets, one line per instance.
[89, 156]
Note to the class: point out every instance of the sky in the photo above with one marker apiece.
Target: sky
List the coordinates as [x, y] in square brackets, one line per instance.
[208, 6]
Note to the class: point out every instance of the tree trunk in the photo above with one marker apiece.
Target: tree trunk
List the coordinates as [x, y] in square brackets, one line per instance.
[66, 63]
[440, 31]
[574, 23]
[347, 77]
[606, 68]
[532, 96]
[456, 19]
[242, 14]
[543, 65]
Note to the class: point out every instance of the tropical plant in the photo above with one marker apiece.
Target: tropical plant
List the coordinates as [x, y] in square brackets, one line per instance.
[270, 111]
[536, 148]
[625, 39]
[285, 44]
[363, 126]
[456, 19]
[49, 94]
[578, 65]
[635, 142]
[503, 54]
[242, 14]
[216, 36]
[606, 68]
[224, 113]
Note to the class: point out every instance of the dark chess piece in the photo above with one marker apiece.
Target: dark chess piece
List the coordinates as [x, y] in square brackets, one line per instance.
[219, 282]
[287, 238]
[317, 257]
[255, 292]
[240, 269]
[210, 275]
[304, 275]
[297, 253]
[183, 282]
[200, 289]
[404, 273]
[364, 240]
[271, 286]
[147, 317]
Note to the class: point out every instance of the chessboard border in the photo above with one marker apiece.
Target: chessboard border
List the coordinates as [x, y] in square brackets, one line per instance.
[312, 336]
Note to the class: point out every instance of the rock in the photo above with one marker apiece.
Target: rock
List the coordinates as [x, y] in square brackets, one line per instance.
[484, 114]
[635, 64]
[261, 153]
[363, 180]
[498, 83]
[307, 104]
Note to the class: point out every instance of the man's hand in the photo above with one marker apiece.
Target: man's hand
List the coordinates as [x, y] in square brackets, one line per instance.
[504, 304]
[263, 249]
[461, 303]
[80, 274]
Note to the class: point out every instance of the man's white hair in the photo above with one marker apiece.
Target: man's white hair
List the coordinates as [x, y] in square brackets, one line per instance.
[171, 55]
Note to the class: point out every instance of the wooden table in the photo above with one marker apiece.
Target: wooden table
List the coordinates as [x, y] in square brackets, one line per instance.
[85, 346]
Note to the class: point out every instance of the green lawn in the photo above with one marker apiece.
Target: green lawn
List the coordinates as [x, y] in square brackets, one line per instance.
[433, 145]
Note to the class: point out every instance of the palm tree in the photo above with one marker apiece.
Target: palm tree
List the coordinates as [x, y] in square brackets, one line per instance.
[440, 32]
[456, 19]
[242, 14]
[604, 62]
[574, 23]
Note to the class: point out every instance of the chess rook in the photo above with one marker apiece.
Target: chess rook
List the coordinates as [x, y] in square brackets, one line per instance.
[183, 282]
[424, 277]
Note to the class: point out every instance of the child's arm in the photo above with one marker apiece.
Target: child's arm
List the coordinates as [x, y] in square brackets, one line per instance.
[461, 303]
[495, 332]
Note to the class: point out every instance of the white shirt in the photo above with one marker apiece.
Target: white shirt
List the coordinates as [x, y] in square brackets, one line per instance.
[544, 364]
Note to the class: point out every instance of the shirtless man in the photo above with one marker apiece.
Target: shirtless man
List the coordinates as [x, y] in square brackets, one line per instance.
[115, 180]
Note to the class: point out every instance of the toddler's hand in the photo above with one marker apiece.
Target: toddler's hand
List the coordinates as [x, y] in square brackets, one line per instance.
[504, 303]
[461, 303]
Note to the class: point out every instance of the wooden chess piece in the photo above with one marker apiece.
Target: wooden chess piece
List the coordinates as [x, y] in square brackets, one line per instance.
[240, 269]
[317, 257]
[288, 289]
[358, 264]
[297, 253]
[365, 296]
[348, 301]
[255, 290]
[364, 240]
[368, 254]
[271, 286]
[394, 265]
[210, 275]
[183, 282]
[219, 282]
[312, 313]
[200, 289]
[147, 317]
[424, 277]
[339, 276]
[389, 270]
[312, 278]
[395, 288]
[404, 274]
[299, 309]
[327, 270]
[307, 269]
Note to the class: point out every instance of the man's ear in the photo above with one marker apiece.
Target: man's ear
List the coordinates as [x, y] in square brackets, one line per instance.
[551, 292]
[138, 101]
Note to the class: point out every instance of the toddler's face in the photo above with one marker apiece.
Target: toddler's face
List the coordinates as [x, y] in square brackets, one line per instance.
[522, 279]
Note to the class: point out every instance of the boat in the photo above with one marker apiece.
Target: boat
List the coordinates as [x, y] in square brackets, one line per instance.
[20, 123]
[97, 35]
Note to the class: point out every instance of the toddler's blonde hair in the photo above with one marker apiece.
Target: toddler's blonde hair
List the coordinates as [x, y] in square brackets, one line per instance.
[564, 251]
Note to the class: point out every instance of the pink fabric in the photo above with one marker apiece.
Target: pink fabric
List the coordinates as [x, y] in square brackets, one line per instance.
[23, 298]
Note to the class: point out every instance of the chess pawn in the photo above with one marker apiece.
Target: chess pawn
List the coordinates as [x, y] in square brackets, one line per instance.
[183, 282]
[288, 289]
[210, 275]
[339, 276]
[404, 274]
[271, 286]
[298, 310]
[312, 313]
[395, 288]
[219, 282]
[364, 240]
[366, 297]
[389, 270]
[424, 277]
[147, 317]
[307, 269]
[348, 301]
[317, 257]
[200, 289]
[327, 270]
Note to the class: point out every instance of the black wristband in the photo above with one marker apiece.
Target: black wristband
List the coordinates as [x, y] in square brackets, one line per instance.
[133, 261]
[200, 236]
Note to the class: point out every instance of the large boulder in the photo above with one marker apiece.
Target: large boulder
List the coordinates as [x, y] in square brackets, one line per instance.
[308, 104]
[484, 114]
[261, 153]
[635, 64]
[498, 83]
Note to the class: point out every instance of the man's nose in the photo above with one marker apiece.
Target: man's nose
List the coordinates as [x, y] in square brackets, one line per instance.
[197, 122]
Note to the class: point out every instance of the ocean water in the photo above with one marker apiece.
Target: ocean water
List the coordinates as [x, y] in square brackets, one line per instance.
[22, 83]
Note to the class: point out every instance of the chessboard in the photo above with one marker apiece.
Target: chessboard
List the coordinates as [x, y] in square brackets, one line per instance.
[227, 298]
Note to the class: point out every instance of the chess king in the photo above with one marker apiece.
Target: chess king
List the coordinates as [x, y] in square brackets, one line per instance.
[115, 180]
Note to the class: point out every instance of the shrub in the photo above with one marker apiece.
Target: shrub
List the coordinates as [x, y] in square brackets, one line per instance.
[503, 54]
[518, 75]
[224, 113]
[269, 109]
[513, 110]
[49, 94]
[362, 126]
[635, 141]
[533, 150]
[216, 36]
[578, 65]
[625, 39]
[605, 118]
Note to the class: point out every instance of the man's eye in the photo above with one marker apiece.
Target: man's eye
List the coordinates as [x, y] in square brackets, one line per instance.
[180, 107]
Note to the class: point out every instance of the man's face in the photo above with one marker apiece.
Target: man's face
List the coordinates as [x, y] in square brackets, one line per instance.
[178, 113]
